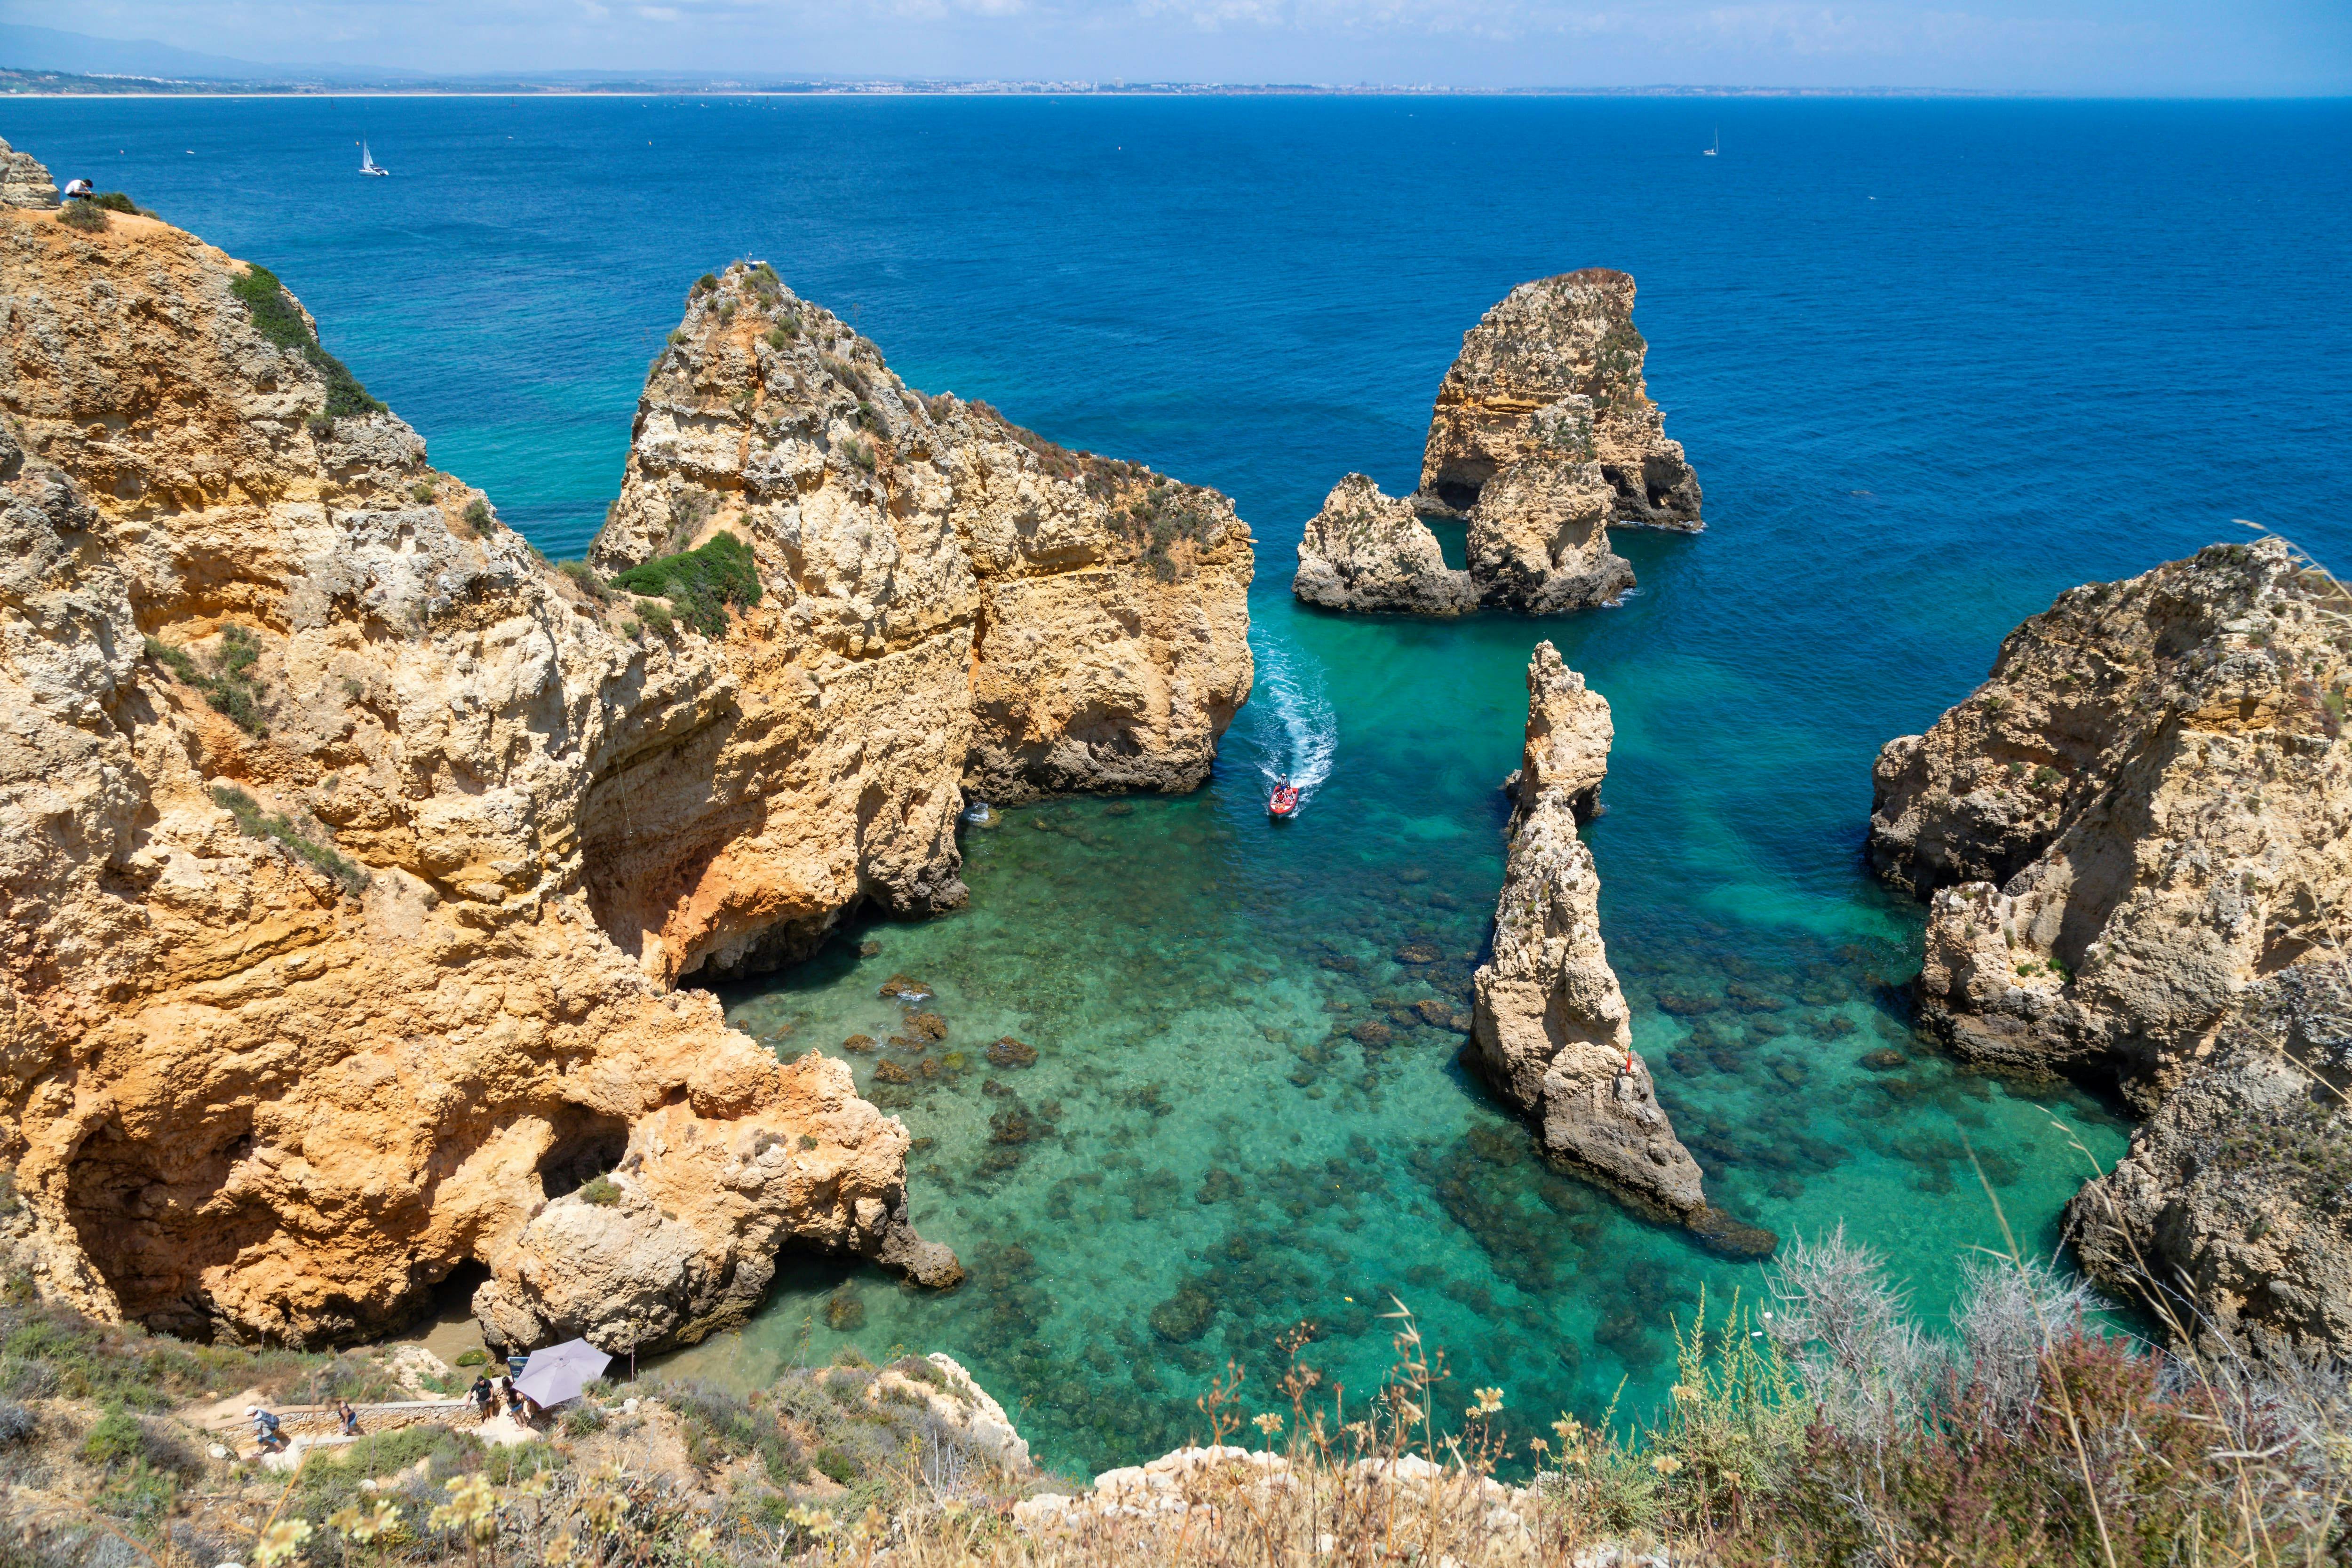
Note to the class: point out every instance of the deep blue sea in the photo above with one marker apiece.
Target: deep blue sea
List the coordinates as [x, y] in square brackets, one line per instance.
[1934, 360]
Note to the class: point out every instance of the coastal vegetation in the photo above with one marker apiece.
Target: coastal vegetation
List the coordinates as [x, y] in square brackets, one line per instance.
[256, 823]
[278, 319]
[701, 584]
[1832, 1426]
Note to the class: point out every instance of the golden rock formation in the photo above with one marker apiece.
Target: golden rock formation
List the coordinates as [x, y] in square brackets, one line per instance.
[319, 791]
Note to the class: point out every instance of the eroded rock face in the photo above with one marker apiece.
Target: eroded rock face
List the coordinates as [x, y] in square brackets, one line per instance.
[1365, 550]
[1553, 375]
[2141, 812]
[1543, 437]
[305, 1004]
[24, 181]
[1551, 1028]
[2235, 1203]
[950, 604]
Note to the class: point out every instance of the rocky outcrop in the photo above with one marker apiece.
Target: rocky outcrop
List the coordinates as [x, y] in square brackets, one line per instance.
[1543, 438]
[1551, 1028]
[306, 1002]
[24, 181]
[1552, 375]
[948, 603]
[1365, 550]
[2234, 1210]
[2139, 814]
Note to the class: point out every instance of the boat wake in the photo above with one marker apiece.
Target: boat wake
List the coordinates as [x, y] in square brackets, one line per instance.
[1295, 734]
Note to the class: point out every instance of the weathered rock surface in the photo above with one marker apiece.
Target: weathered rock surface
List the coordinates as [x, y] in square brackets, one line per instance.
[305, 1004]
[1553, 375]
[2234, 1205]
[1365, 550]
[2140, 813]
[1543, 437]
[1538, 539]
[1551, 1028]
[949, 602]
[24, 181]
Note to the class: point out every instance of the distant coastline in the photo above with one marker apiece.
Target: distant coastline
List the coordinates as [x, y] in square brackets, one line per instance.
[22, 84]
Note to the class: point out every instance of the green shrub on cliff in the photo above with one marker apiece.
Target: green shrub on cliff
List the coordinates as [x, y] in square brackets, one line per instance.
[255, 823]
[83, 215]
[701, 584]
[278, 319]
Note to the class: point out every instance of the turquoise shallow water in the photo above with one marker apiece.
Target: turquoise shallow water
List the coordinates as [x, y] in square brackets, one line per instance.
[1933, 361]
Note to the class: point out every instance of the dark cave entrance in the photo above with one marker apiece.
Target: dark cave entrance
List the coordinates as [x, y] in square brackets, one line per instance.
[587, 1144]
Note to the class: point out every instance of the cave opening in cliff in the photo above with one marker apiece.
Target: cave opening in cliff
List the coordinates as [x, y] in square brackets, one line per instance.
[587, 1144]
[154, 1218]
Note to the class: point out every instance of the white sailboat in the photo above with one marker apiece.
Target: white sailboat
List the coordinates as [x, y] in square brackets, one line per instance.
[1711, 152]
[368, 164]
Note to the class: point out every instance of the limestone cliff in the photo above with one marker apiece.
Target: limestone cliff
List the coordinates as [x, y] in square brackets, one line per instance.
[24, 182]
[1365, 550]
[302, 756]
[2234, 1206]
[1552, 375]
[1551, 1028]
[2140, 812]
[948, 603]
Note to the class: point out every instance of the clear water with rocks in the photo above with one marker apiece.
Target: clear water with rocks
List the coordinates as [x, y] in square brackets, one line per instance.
[1934, 362]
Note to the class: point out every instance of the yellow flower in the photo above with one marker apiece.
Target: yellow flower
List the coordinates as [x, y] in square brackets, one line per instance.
[1489, 1401]
[1666, 1464]
[1568, 1428]
[1537, 1446]
[473, 1506]
[365, 1527]
[1684, 1394]
[562, 1550]
[281, 1542]
[817, 1521]
[699, 1541]
[1268, 1423]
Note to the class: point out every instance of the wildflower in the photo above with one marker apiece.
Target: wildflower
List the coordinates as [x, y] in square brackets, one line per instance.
[473, 1506]
[1268, 1423]
[281, 1542]
[1666, 1464]
[817, 1521]
[874, 1526]
[562, 1550]
[699, 1541]
[1537, 1447]
[1489, 1401]
[365, 1527]
[1569, 1429]
[1684, 1394]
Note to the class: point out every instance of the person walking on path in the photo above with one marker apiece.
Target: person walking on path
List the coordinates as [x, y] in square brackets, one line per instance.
[266, 1430]
[484, 1397]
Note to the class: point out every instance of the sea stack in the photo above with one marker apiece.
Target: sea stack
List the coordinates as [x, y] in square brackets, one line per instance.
[1365, 550]
[947, 604]
[1551, 1028]
[1552, 375]
[2136, 840]
[1543, 438]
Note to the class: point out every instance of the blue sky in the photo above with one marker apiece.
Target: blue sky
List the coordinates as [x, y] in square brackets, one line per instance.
[2154, 47]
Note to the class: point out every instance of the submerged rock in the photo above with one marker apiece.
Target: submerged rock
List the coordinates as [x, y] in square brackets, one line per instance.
[1365, 550]
[1551, 1028]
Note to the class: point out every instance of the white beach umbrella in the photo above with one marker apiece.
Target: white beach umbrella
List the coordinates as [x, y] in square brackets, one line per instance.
[560, 1372]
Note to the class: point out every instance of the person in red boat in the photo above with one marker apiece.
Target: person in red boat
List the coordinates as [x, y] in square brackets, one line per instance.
[1283, 802]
